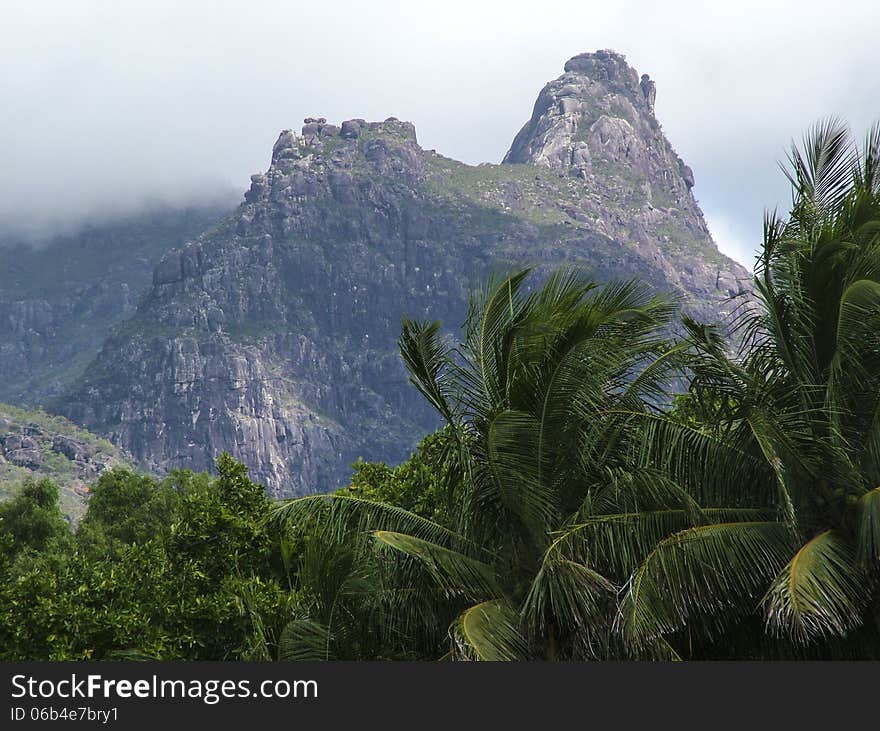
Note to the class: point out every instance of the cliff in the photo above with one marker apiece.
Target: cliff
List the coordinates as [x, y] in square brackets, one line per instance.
[273, 336]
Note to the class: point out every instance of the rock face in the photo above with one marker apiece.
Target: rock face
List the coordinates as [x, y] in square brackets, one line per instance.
[596, 123]
[58, 301]
[274, 335]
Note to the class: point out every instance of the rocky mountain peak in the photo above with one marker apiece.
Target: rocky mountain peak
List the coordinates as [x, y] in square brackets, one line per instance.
[611, 69]
[607, 67]
[317, 135]
[322, 157]
[600, 113]
[273, 335]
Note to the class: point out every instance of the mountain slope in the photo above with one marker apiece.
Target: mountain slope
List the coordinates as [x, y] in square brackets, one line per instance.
[34, 444]
[59, 300]
[273, 336]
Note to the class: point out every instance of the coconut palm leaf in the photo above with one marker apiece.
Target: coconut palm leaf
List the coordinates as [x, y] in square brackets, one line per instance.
[511, 457]
[427, 357]
[715, 471]
[821, 172]
[859, 312]
[617, 543]
[652, 384]
[702, 577]
[868, 165]
[640, 489]
[488, 631]
[566, 593]
[455, 572]
[501, 308]
[870, 457]
[306, 640]
[821, 592]
[341, 515]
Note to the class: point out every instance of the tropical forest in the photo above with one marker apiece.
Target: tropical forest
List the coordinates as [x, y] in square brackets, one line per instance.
[606, 471]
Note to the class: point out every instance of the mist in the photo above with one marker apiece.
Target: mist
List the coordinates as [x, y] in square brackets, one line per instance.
[109, 108]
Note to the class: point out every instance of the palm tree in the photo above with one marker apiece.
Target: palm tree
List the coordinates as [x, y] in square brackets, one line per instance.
[790, 436]
[537, 400]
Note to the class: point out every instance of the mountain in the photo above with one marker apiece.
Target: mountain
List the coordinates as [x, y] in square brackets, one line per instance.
[60, 298]
[273, 336]
[34, 444]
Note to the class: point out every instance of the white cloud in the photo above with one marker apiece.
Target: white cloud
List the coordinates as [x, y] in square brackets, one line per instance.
[107, 103]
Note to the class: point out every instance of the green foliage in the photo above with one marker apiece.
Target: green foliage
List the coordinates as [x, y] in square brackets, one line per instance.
[129, 507]
[561, 513]
[32, 520]
[537, 401]
[417, 485]
[797, 410]
[171, 569]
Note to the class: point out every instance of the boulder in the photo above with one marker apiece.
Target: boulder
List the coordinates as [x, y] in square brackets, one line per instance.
[28, 458]
[70, 448]
[687, 175]
[350, 129]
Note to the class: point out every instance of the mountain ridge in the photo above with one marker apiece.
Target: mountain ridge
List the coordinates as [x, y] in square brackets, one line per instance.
[273, 336]
[61, 297]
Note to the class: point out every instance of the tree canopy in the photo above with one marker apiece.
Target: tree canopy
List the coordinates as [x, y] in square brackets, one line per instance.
[612, 480]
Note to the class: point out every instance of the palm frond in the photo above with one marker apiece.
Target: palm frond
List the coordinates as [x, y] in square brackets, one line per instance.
[489, 631]
[343, 514]
[498, 312]
[427, 357]
[639, 490]
[870, 461]
[856, 355]
[652, 383]
[619, 542]
[707, 576]
[821, 172]
[821, 592]
[868, 176]
[567, 594]
[456, 573]
[305, 640]
[715, 471]
[515, 468]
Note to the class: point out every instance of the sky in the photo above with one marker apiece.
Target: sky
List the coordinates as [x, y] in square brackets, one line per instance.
[108, 107]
